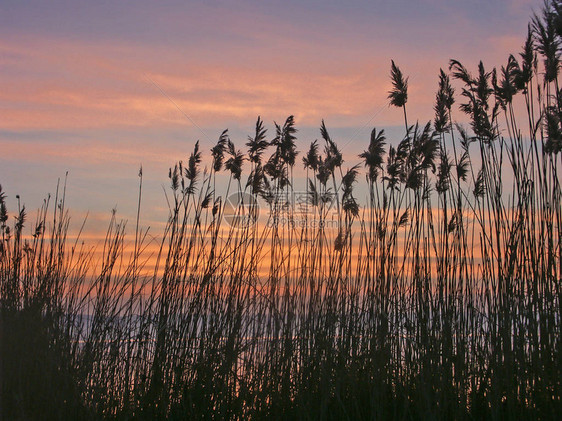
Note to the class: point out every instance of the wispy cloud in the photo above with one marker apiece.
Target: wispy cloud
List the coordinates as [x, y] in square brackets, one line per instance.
[74, 91]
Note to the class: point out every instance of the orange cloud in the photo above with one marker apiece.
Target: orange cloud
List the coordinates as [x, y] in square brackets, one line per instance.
[104, 86]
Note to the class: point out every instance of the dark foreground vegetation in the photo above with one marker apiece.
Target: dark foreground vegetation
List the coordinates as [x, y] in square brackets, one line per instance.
[438, 298]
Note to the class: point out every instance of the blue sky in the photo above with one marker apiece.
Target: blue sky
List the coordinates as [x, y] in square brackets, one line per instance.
[93, 88]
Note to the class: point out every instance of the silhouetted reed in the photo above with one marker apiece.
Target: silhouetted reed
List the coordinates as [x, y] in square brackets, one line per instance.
[437, 296]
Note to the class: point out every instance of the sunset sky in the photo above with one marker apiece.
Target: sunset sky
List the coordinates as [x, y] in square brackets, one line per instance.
[93, 88]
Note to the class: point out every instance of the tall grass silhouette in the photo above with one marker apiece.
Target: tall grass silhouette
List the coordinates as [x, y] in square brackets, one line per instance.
[438, 298]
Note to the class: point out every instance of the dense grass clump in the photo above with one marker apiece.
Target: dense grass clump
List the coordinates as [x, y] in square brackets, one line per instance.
[438, 297]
